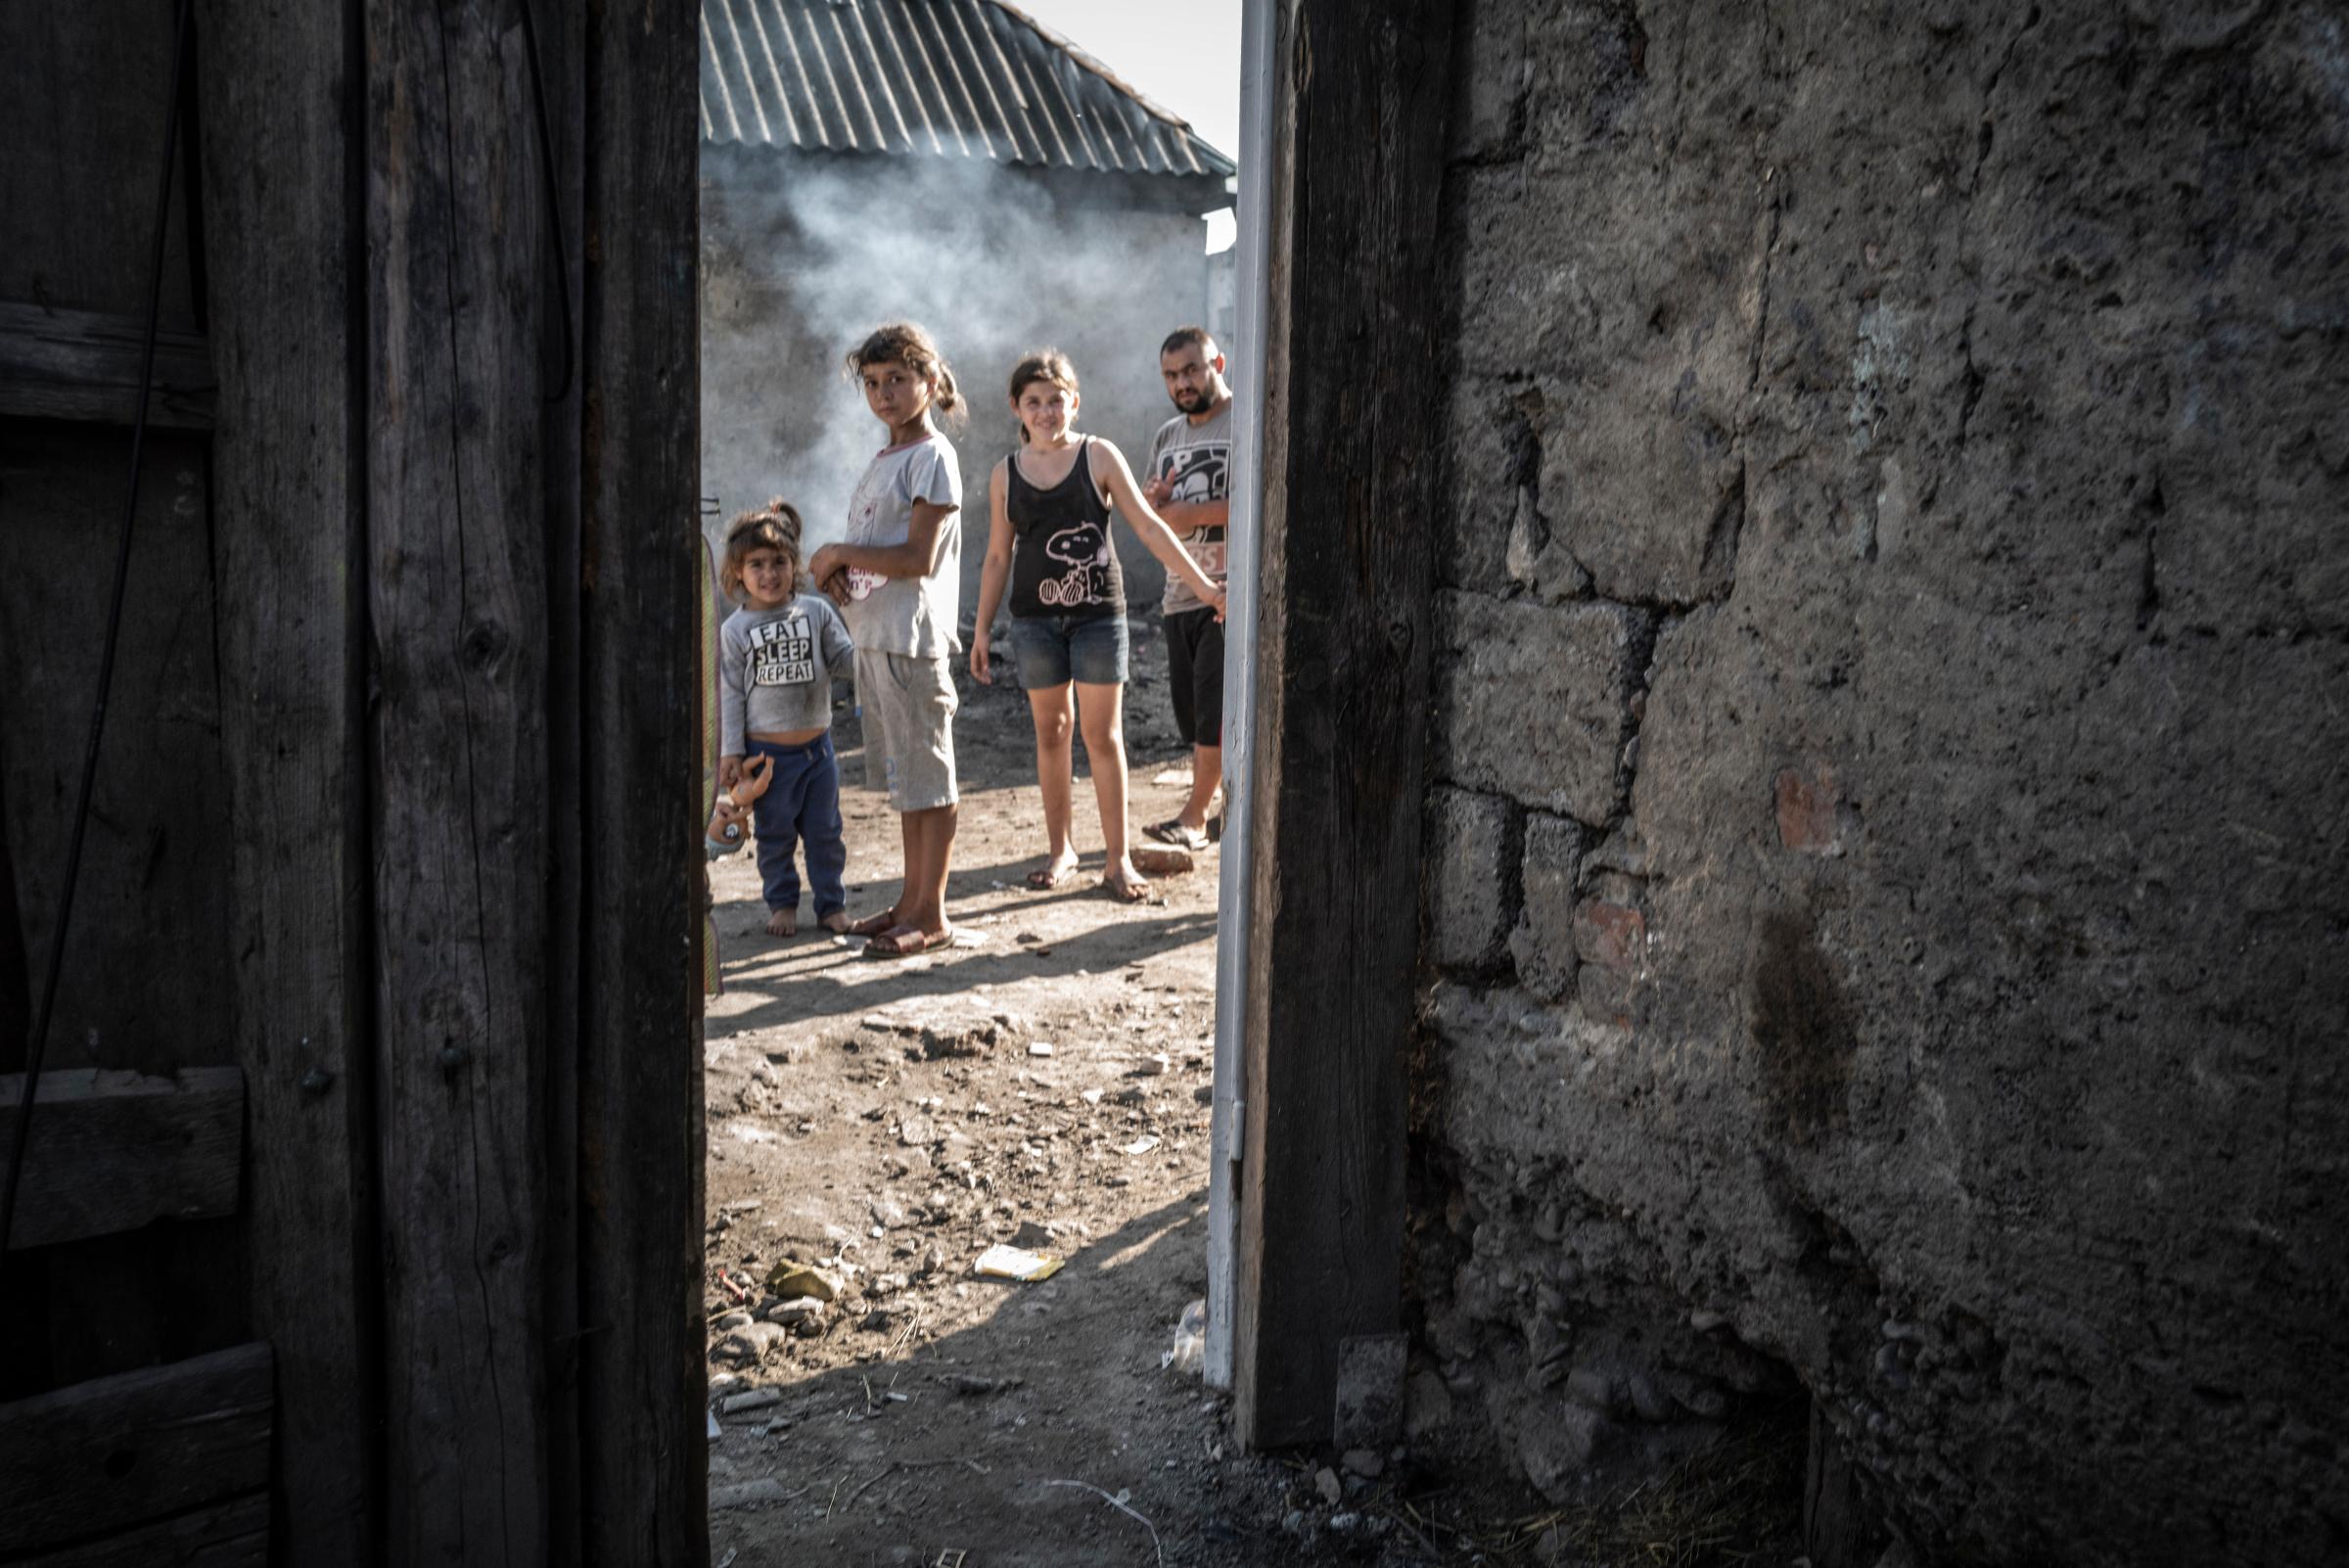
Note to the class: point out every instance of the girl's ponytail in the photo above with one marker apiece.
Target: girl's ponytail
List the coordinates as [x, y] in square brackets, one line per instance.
[902, 343]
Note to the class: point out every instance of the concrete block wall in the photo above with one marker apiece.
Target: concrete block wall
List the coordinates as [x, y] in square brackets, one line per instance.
[1887, 887]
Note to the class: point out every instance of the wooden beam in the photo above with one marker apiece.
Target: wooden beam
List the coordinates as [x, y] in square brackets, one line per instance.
[114, 1151]
[85, 364]
[463, 352]
[223, 1535]
[1342, 656]
[286, 270]
[98, 1457]
[644, 1470]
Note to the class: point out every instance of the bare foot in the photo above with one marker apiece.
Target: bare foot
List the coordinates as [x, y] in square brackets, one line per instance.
[836, 922]
[783, 923]
[1126, 884]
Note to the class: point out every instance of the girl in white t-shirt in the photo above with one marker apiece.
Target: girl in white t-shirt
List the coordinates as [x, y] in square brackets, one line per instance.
[898, 578]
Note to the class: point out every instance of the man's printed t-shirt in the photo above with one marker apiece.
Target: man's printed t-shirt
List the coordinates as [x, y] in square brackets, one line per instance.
[911, 617]
[1196, 460]
[776, 668]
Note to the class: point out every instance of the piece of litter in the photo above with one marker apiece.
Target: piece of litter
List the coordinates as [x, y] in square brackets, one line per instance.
[1141, 1145]
[1092, 1096]
[1171, 775]
[727, 1561]
[1151, 1066]
[714, 1429]
[1001, 1262]
[790, 1279]
[1038, 1048]
[756, 1399]
[1160, 860]
[1190, 1341]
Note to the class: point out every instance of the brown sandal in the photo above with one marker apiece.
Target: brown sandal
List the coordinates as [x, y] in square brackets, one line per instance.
[907, 942]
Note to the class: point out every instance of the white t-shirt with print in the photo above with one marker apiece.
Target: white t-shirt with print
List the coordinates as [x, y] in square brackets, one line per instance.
[913, 616]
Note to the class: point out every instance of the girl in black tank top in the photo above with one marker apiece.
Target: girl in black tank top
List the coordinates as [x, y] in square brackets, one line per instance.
[1050, 544]
[1061, 560]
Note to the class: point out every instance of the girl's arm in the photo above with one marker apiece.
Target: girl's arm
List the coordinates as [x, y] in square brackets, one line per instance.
[917, 557]
[839, 650]
[731, 703]
[991, 576]
[1148, 525]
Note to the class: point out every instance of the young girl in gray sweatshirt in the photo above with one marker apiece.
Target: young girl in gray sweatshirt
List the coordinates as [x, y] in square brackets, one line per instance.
[777, 658]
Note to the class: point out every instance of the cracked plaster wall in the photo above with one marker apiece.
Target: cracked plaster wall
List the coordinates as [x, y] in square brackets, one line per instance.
[1887, 897]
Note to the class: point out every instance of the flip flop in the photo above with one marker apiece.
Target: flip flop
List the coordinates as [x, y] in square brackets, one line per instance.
[1134, 891]
[1172, 831]
[907, 942]
[872, 925]
[1046, 878]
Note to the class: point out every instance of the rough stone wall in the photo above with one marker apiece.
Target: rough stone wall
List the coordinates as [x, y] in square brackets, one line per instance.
[1887, 904]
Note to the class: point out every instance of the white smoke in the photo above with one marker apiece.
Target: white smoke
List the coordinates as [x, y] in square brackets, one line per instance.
[803, 254]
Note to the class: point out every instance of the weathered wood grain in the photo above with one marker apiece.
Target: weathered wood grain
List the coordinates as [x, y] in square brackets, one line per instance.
[1342, 651]
[562, 33]
[460, 316]
[112, 1151]
[85, 364]
[155, 873]
[282, 199]
[79, 135]
[644, 1475]
[100, 1456]
[224, 1534]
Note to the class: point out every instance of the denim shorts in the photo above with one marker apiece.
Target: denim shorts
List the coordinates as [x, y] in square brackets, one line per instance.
[1054, 650]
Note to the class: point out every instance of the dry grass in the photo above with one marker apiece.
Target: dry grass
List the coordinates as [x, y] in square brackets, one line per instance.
[1731, 1505]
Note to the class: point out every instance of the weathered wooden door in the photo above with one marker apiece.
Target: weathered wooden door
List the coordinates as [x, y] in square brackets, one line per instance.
[394, 815]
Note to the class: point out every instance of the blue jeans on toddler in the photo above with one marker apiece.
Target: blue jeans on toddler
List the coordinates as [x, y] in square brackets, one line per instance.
[802, 805]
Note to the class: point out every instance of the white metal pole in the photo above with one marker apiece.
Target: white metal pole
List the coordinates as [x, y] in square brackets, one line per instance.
[1257, 29]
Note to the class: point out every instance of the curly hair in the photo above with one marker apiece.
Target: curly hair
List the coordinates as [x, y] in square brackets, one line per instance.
[775, 526]
[902, 343]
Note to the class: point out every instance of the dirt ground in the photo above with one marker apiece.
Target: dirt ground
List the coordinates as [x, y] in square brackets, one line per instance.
[1044, 1083]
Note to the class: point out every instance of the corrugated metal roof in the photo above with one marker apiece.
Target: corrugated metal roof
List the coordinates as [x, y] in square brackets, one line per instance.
[951, 78]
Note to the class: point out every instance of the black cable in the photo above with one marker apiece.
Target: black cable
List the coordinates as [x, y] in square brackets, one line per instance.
[37, 1043]
[554, 202]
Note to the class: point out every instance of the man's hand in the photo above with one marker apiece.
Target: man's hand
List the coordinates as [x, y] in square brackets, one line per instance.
[837, 585]
[1214, 602]
[1158, 493]
[825, 566]
[982, 670]
[729, 768]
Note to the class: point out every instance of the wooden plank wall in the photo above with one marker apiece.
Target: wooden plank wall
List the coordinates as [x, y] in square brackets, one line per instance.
[644, 1470]
[427, 873]
[460, 316]
[1342, 654]
[493, 650]
[288, 267]
[177, 1446]
[145, 986]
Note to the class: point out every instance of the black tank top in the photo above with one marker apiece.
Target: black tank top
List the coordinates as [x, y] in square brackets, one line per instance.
[1061, 560]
